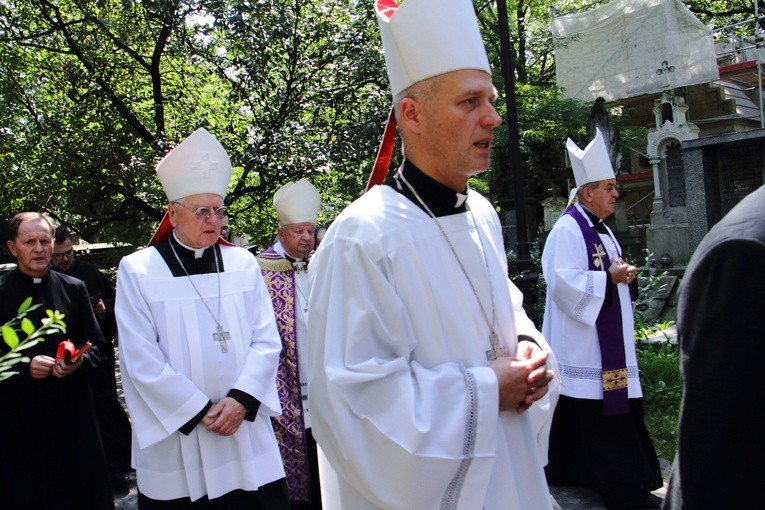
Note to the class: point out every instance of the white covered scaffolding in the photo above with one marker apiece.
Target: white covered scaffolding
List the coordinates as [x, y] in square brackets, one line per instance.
[628, 48]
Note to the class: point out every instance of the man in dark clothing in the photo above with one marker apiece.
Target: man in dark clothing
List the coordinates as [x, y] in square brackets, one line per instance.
[719, 316]
[50, 454]
[112, 418]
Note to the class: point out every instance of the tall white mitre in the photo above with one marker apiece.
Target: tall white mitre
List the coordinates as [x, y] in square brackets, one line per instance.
[425, 38]
[297, 202]
[590, 164]
[199, 164]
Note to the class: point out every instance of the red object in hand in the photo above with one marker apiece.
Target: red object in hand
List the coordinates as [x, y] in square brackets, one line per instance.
[69, 353]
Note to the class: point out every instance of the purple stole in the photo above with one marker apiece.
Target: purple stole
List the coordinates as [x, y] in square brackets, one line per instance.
[289, 427]
[608, 324]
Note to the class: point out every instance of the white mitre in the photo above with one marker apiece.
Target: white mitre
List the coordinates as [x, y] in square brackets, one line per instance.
[591, 164]
[297, 202]
[198, 165]
[425, 38]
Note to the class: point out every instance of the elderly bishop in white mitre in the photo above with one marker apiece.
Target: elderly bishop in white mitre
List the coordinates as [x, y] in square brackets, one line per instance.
[589, 321]
[199, 349]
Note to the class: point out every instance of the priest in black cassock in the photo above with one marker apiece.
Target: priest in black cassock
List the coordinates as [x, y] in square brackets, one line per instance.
[112, 418]
[50, 450]
[199, 350]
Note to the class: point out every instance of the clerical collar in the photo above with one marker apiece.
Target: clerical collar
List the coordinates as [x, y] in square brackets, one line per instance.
[206, 263]
[441, 199]
[597, 221]
[36, 280]
[298, 265]
[198, 252]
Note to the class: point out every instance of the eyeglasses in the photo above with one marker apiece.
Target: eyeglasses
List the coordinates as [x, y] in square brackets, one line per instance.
[204, 213]
[68, 254]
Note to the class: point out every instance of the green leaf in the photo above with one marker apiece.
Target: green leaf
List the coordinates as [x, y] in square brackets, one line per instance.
[10, 337]
[27, 326]
[25, 305]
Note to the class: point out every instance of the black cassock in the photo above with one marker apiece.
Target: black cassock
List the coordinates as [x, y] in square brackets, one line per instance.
[112, 418]
[50, 450]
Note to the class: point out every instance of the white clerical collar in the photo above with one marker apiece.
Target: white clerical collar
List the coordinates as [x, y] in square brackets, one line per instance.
[440, 199]
[298, 265]
[461, 197]
[36, 280]
[198, 252]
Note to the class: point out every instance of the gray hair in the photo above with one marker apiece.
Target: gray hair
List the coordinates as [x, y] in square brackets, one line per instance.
[13, 226]
[592, 186]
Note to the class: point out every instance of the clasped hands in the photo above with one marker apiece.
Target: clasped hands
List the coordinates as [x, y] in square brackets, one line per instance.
[621, 272]
[224, 417]
[42, 366]
[523, 379]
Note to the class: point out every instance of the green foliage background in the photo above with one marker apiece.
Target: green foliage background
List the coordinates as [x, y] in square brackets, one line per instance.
[94, 93]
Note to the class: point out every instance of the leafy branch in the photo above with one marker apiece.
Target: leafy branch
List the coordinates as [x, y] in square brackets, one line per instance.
[53, 323]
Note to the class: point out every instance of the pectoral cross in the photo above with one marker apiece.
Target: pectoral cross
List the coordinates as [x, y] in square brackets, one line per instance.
[496, 351]
[599, 254]
[221, 337]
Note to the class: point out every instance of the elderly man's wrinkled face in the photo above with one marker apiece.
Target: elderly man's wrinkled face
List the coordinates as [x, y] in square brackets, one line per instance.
[33, 247]
[602, 200]
[197, 219]
[297, 239]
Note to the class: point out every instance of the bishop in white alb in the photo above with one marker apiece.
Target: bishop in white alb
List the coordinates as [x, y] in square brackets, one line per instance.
[404, 403]
[172, 368]
[575, 297]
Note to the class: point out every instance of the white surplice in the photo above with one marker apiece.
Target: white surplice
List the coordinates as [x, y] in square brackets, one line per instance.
[171, 367]
[404, 404]
[574, 298]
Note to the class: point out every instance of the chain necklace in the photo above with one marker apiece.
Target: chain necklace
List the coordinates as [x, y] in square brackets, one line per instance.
[299, 266]
[219, 335]
[304, 306]
[496, 350]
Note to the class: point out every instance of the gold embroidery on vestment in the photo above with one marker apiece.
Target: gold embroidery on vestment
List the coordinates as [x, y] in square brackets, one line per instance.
[598, 255]
[615, 379]
[277, 265]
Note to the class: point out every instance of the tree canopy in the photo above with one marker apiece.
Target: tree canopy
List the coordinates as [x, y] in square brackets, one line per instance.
[94, 93]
